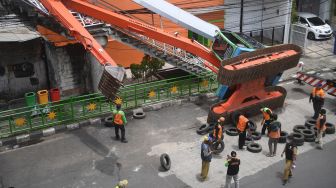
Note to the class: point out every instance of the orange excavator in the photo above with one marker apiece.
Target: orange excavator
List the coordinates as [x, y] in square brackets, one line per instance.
[245, 73]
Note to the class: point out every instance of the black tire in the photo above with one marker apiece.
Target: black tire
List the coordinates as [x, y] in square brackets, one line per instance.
[256, 135]
[254, 147]
[308, 133]
[310, 123]
[309, 139]
[232, 131]
[283, 137]
[139, 115]
[330, 128]
[298, 138]
[299, 128]
[253, 126]
[311, 36]
[108, 121]
[203, 129]
[299, 143]
[217, 147]
[165, 161]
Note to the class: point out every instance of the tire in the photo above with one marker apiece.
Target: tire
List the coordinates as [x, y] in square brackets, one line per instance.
[256, 135]
[139, 115]
[217, 147]
[254, 147]
[330, 128]
[310, 123]
[232, 131]
[283, 137]
[253, 127]
[311, 36]
[165, 161]
[309, 139]
[108, 121]
[298, 138]
[315, 132]
[298, 128]
[308, 133]
[203, 129]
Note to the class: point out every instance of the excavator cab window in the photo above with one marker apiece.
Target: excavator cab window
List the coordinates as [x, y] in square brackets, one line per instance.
[222, 48]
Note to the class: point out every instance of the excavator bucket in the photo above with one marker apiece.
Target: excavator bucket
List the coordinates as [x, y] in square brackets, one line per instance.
[111, 81]
[247, 73]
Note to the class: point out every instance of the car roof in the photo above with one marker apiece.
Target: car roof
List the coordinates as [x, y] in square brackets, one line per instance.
[306, 14]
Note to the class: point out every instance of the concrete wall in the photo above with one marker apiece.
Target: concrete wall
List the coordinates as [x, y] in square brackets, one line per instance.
[68, 69]
[258, 14]
[16, 53]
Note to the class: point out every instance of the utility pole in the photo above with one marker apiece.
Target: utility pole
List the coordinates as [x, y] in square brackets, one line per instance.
[241, 15]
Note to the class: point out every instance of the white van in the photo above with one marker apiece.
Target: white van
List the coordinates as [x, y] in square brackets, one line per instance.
[317, 28]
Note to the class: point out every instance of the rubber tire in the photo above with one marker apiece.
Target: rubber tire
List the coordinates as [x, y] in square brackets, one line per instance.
[139, 115]
[298, 128]
[256, 135]
[203, 129]
[283, 137]
[298, 138]
[311, 36]
[308, 133]
[330, 128]
[165, 161]
[254, 147]
[254, 128]
[218, 151]
[310, 123]
[309, 139]
[232, 131]
[108, 121]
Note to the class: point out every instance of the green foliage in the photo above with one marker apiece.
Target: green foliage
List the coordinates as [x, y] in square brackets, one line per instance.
[147, 68]
[294, 16]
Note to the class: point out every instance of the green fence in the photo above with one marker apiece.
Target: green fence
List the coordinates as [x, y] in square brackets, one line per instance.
[73, 109]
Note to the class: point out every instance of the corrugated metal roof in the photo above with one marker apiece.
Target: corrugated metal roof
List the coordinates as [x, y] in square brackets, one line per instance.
[180, 17]
[12, 29]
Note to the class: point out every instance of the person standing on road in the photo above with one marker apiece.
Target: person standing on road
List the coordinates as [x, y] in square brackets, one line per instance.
[119, 120]
[242, 125]
[218, 129]
[233, 169]
[267, 119]
[274, 135]
[317, 96]
[206, 155]
[321, 127]
[290, 151]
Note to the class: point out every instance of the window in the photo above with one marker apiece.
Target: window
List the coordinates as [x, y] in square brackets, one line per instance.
[199, 38]
[303, 21]
[316, 21]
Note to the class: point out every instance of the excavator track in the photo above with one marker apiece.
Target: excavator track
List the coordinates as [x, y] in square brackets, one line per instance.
[260, 63]
[247, 73]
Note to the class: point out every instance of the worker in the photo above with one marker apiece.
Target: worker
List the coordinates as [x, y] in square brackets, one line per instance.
[218, 129]
[242, 125]
[119, 120]
[206, 156]
[122, 184]
[273, 136]
[267, 119]
[317, 96]
[290, 151]
[233, 169]
[321, 127]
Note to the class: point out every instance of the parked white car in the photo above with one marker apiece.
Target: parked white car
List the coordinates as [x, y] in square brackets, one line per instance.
[317, 28]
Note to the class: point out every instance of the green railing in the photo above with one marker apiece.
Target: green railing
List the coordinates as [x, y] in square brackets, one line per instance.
[74, 109]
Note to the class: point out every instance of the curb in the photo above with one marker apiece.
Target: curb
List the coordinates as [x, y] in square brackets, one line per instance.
[37, 135]
[14, 141]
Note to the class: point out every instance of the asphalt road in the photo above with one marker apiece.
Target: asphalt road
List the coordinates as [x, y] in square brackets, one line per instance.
[315, 169]
[90, 157]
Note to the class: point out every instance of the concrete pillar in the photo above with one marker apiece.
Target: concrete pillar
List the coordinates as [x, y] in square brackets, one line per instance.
[96, 67]
[288, 23]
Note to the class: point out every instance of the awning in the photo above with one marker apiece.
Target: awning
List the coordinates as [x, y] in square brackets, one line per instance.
[180, 17]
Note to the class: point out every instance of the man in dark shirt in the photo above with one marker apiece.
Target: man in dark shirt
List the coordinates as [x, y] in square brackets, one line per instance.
[206, 156]
[290, 151]
[233, 169]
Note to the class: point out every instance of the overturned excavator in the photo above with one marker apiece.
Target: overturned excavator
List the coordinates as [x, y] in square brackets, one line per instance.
[241, 63]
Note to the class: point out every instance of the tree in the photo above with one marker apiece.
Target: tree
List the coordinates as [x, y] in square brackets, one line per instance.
[147, 68]
[136, 71]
